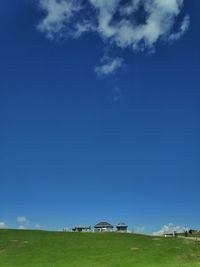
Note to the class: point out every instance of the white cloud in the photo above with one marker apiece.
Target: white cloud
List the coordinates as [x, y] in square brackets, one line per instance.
[170, 228]
[109, 66]
[58, 13]
[130, 7]
[140, 230]
[3, 225]
[135, 24]
[38, 226]
[22, 227]
[22, 220]
[183, 28]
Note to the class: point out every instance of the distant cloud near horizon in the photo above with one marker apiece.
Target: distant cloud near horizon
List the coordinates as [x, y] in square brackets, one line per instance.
[170, 228]
[22, 227]
[38, 226]
[22, 219]
[3, 225]
[23, 222]
[140, 230]
[135, 24]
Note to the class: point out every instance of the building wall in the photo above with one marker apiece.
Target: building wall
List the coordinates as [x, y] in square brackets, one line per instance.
[122, 229]
[104, 229]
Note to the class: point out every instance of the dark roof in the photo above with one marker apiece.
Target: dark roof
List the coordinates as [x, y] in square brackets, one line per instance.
[121, 225]
[103, 225]
[82, 227]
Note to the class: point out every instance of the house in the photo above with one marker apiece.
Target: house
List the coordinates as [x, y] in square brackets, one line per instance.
[170, 234]
[121, 227]
[103, 227]
[82, 229]
[193, 232]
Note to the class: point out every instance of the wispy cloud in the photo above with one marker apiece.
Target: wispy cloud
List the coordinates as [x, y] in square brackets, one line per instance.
[22, 219]
[38, 226]
[135, 24]
[3, 225]
[183, 28]
[23, 222]
[108, 66]
[170, 228]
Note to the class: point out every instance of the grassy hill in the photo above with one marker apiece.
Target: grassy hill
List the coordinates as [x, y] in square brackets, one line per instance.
[54, 249]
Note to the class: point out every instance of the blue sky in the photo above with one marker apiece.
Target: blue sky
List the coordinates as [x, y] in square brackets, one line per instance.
[97, 124]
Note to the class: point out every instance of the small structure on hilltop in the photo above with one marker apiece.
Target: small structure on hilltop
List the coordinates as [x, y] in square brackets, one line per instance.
[194, 232]
[103, 227]
[170, 234]
[82, 229]
[122, 227]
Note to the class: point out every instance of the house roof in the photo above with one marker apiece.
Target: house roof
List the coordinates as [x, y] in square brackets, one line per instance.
[103, 225]
[121, 225]
[82, 227]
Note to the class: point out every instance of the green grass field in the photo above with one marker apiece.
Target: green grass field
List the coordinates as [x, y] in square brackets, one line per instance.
[57, 249]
